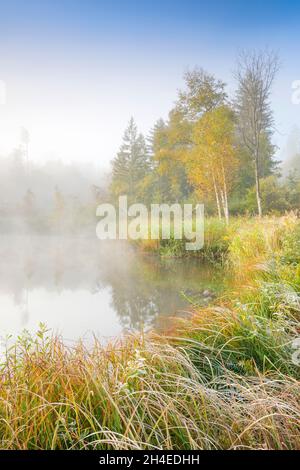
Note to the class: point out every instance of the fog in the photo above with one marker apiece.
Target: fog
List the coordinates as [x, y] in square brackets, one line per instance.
[291, 152]
[49, 197]
[54, 270]
[81, 286]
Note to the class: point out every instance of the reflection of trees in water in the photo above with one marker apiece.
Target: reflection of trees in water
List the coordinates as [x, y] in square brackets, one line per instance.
[143, 289]
[134, 309]
[133, 298]
[150, 289]
[141, 309]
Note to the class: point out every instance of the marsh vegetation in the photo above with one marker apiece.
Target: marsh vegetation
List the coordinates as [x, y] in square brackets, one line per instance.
[226, 377]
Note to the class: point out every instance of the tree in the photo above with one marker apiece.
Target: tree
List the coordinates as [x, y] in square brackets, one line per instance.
[170, 141]
[245, 178]
[274, 196]
[212, 161]
[131, 164]
[202, 94]
[255, 76]
[293, 189]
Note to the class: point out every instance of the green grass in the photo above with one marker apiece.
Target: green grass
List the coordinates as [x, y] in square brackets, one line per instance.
[215, 249]
[222, 379]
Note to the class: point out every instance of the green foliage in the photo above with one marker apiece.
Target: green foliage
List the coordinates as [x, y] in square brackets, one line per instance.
[169, 141]
[292, 185]
[245, 180]
[274, 196]
[131, 165]
[291, 246]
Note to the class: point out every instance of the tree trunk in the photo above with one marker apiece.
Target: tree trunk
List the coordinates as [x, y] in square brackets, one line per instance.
[217, 199]
[226, 208]
[257, 183]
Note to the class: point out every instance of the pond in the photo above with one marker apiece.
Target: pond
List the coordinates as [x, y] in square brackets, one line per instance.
[83, 287]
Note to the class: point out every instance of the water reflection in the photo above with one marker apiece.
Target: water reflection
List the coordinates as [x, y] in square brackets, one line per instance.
[79, 285]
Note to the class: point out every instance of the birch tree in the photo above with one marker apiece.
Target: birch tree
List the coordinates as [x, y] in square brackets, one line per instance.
[255, 76]
[212, 162]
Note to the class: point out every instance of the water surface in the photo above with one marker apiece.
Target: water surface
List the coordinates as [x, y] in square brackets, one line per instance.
[79, 287]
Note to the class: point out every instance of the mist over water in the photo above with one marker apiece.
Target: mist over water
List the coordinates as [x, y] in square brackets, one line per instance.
[54, 270]
[80, 286]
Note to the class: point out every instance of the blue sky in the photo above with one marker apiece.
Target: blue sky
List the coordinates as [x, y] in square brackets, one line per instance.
[75, 71]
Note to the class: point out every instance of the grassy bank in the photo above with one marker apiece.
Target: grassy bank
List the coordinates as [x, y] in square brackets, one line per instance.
[226, 378]
[215, 247]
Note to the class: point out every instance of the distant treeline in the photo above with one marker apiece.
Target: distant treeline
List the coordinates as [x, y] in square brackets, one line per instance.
[54, 197]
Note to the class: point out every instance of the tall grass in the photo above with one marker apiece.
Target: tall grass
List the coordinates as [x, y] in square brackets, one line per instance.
[215, 248]
[144, 393]
[222, 379]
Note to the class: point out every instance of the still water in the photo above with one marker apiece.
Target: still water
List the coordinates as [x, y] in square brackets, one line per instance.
[83, 287]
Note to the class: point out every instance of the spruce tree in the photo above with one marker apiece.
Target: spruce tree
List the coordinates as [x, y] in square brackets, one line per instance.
[131, 164]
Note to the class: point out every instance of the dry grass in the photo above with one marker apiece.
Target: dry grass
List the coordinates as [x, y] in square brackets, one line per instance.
[141, 394]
